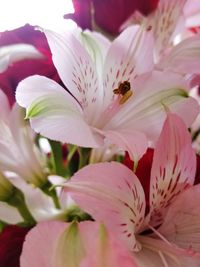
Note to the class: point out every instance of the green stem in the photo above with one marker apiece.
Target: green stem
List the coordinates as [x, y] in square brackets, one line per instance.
[83, 157]
[56, 148]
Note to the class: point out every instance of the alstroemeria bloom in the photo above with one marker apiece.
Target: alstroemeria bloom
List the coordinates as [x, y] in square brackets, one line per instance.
[88, 244]
[168, 235]
[166, 22]
[18, 151]
[91, 114]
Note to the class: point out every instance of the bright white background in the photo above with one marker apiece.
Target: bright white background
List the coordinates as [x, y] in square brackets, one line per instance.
[45, 13]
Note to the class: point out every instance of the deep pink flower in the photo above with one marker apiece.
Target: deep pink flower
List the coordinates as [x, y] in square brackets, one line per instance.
[11, 241]
[109, 15]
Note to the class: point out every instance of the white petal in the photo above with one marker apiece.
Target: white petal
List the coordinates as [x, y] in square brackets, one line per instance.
[9, 214]
[126, 58]
[12, 53]
[145, 111]
[55, 113]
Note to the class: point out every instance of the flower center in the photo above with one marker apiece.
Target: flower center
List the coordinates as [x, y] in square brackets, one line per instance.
[124, 90]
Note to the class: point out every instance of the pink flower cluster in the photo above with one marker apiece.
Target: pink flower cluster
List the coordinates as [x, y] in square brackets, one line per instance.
[99, 160]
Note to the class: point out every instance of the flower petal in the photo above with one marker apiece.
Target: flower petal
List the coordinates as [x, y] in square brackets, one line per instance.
[164, 22]
[107, 251]
[4, 106]
[158, 253]
[76, 69]
[183, 58]
[182, 221]
[145, 111]
[135, 143]
[9, 214]
[40, 245]
[54, 112]
[125, 59]
[173, 167]
[12, 53]
[39, 204]
[70, 245]
[112, 194]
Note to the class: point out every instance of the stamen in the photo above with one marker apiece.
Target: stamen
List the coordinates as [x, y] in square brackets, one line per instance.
[124, 90]
[125, 97]
[163, 259]
[159, 235]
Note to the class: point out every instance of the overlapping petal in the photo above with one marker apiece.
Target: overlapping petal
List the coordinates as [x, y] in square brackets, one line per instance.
[72, 245]
[181, 224]
[111, 193]
[54, 112]
[15, 52]
[184, 57]
[173, 167]
[152, 93]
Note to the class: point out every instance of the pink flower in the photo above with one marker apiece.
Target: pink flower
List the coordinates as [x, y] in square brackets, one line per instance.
[167, 22]
[88, 244]
[92, 114]
[168, 235]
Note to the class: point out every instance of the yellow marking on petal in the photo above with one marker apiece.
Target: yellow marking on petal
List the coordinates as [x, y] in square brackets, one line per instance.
[125, 97]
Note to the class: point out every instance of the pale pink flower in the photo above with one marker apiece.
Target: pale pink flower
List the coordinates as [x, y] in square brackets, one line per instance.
[88, 244]
[167, 22]
[91, 114]
[168, 233]
[19, 154]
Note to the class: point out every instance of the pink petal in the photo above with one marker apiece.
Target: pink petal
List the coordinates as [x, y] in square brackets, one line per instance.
[164, 22]
[182, 221]
[183, 58]
[76, 69]
[145, 110]
[61, 117]
[191, 12]
[39, 248]
[4, 106]
[135, 143]
[159, 253]
[125, 59]
[112, 194]
[108, 251]
[174, 164]
[59, 244]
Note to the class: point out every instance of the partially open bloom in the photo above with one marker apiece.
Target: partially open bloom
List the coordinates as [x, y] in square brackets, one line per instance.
[114, 97]
[88, 244]
[165, 234]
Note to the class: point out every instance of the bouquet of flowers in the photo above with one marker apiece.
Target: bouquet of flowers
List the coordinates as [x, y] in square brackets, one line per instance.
[99, 152]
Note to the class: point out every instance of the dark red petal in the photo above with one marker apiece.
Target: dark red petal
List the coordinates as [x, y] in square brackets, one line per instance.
[143, 171]
[11, 241]
[197, 176]
[109, 15]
